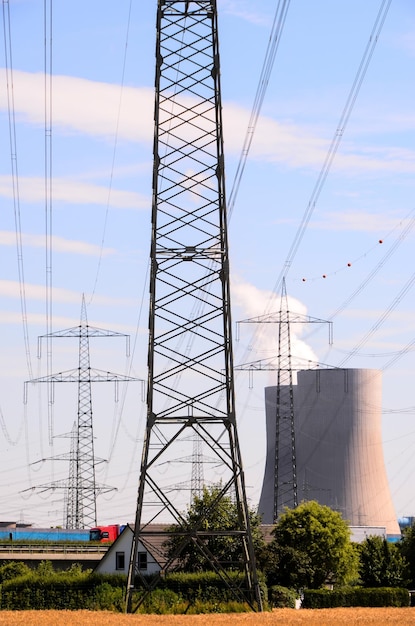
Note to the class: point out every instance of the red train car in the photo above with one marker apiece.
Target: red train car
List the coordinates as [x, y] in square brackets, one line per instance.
[105, 534]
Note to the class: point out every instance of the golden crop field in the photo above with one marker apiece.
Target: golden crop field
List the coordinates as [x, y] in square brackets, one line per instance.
[286, 617]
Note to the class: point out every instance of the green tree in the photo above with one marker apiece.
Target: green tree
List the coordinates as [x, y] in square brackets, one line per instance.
[14, 569]
[407, 549]
[212, 512]
[311, 546]
[45, 569]
[381, 564]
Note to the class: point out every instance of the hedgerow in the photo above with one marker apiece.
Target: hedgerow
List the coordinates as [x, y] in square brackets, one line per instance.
[355, 596]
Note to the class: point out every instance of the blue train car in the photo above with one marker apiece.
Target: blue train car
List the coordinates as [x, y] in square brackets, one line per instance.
[43, 534]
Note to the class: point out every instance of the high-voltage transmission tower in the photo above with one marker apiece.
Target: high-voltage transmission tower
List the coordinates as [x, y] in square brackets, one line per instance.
[81, 489]
[190, 363]
[285, 463]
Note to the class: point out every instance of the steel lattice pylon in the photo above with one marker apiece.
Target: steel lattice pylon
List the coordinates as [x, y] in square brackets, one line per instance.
[190, 377]
[81, 488]
[85, 492]
[70, 500]
[285, 480]
[285, 486]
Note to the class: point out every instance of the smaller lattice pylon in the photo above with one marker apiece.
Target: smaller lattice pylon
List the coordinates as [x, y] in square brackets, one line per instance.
[68, 485]
[82, 487]
[285, 466]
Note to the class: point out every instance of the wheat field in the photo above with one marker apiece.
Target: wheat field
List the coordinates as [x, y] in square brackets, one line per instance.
[287, 617]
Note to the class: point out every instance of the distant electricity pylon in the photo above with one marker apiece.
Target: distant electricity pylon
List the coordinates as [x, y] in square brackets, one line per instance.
[190, 362]
[285, 463]
[81, 488]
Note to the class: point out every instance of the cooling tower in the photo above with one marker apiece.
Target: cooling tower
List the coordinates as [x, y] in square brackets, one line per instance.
[338, 442]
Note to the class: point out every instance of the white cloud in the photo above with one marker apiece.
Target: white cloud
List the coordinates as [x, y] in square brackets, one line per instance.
[85, 106]
[357, 221]
[59, 244]
[59, 321]
[253, 302]
[11, 289]
[297, 146]
[75, 108]
[244, 11]
[32, 189]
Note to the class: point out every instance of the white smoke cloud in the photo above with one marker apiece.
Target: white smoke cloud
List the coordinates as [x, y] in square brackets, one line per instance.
[262, 338]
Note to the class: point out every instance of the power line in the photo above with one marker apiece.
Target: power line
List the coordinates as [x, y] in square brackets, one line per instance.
[380, 320]
[48, 77]
[114, 152]
[332, 151]
[336, 140]
[15, 176]
[272, 48]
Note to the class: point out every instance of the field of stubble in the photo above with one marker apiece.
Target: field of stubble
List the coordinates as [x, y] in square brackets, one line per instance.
[287, 617]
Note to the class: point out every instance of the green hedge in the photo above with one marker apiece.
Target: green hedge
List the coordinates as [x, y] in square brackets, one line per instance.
[175, 593]
[355, 596]
[206, 585]
[62, 591]
[205, 590]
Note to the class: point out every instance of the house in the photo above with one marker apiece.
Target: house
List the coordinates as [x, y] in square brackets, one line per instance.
[151, 552]
[150, 556]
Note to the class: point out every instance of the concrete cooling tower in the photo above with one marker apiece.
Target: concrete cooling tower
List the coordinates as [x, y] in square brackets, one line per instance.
[338, 444]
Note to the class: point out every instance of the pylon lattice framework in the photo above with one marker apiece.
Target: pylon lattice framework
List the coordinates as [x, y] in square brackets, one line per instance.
[190, 379]
[285, 462]
[81, 488]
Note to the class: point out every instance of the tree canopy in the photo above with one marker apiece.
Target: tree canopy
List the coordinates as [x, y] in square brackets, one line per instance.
[311, 546]
[213, 512]
[382, 564]
[407, 550]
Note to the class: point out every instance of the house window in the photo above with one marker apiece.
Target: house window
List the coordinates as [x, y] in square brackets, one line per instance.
[120, 560]
[142, 560]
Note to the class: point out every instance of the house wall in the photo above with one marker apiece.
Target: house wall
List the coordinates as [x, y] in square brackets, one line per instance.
[119, 555]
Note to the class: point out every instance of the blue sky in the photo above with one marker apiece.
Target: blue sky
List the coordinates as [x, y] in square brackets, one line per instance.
[101, 162]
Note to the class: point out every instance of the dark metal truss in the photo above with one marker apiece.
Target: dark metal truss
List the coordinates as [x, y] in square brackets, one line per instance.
[190, 373]
[285, 465]
[81, 489]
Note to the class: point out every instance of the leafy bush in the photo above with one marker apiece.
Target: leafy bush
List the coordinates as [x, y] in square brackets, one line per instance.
[161, 602]
[311, 545]
[206, 586]
[72, 589]
[281, 597]
[13, 569]
[382, 564]
[201, 592]
[105, 597]
[355, 596]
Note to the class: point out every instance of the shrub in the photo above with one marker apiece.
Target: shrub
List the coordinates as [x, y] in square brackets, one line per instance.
[355, 596]
[177, 593]
[281, 597]
[14, 569]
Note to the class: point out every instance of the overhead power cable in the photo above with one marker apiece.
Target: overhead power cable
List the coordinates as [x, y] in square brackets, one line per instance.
[48, 23]
[335, 142]
[114, 152]
[406, 231]
[15, 177]
[273, 43]
[381, 319]
[331, 153]
[398, 356]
